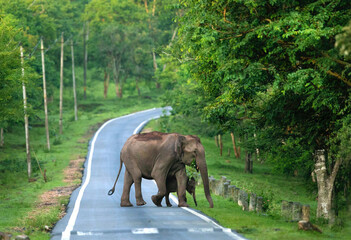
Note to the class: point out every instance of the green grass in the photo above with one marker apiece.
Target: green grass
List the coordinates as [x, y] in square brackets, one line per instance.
[18, 197]
[272, 187]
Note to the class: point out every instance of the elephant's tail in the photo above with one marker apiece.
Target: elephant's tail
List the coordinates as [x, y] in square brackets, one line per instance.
[112, 190]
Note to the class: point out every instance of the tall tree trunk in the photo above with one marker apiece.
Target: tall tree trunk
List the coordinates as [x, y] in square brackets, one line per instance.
[220, 144]
[236, 153]
[29, 163]
[45, 97]
[106, 83]
[137, 85]
[74, 84]
[1, 137]
[154, 8]
[61, 84]
[116, 73]
[257, 149]
[169, 45]
[155, 67]
[248, 162]
[146, 7]
[85, 46]
[325, 186]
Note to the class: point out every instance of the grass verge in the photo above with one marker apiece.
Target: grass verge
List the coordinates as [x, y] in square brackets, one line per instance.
[264, 182]
[33, 207]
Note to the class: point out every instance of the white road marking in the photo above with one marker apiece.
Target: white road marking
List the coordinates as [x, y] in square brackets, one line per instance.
[200, 230]
[72, 220]
[145, 231]
[228, 231]
[66, 235]
[89, 233]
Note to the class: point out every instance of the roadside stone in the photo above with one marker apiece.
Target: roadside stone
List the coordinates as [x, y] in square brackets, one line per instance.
[306, 213]
[253, 201]
[231, 192]
[287, 210]
[22, 237]
[243, 200]
[236, 194]
[225, 189]
[296, 211]
[219, 186]
[211, 180]
[5, 236]
[259, 204]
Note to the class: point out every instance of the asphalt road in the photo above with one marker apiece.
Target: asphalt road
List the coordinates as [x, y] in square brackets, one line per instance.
[92, 214]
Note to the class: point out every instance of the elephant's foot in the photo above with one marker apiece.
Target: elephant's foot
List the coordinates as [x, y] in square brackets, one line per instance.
[141, 202]
[183, 204]
[169, 205]
[126, 204]
[156, 200]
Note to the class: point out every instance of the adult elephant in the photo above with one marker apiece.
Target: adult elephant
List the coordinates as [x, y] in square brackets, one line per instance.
[157, 155]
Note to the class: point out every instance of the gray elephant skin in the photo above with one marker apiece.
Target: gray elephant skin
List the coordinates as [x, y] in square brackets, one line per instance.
[159, 156]
[172, 186]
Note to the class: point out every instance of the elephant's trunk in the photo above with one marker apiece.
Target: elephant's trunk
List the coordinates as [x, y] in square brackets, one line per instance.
[201, 164]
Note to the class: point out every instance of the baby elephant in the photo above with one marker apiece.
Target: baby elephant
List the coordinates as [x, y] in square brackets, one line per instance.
[171, 185]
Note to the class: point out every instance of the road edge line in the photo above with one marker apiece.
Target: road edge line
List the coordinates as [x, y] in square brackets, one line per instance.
[66, 234]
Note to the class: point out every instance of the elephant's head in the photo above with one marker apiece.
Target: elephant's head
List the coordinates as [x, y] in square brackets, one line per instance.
[191, 149]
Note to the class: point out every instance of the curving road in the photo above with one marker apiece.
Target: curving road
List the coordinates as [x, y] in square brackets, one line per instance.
[92, 214]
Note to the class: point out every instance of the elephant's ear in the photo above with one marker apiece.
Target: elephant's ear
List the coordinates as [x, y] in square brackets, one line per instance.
[179, 145]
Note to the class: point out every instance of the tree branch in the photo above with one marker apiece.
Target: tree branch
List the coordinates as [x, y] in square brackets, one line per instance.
[339, 77]
[335, 171]
[331, 73]
[224, 16]
[146, 8]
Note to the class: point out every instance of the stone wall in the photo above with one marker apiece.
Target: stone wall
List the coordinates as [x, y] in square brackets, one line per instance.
[247, 201]
[290, 211]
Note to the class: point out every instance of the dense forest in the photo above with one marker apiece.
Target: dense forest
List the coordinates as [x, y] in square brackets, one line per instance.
[275, 74]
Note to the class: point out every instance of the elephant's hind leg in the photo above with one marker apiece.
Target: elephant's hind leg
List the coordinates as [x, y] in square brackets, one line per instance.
[138, 196]
[128, 181]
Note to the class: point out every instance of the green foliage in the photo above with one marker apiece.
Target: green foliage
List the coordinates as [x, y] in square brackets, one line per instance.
[343, 42]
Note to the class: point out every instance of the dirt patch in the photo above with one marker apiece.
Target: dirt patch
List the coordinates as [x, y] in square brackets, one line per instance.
[57, 197]
[74, 171]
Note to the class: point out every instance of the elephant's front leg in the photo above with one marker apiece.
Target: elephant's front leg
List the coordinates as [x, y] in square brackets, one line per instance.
[161, 184]
[182, 180]
[128, 181]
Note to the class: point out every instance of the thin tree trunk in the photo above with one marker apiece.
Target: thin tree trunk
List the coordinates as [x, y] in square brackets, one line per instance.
[146, 7]
[29, 164]
[85, 46]
[154, 8]
[248, 162]
[106, 83]
[74, 84]
[325, 186]
[45, 98]
[137, 85]
[155, 67]
[220, 144]
[257, 150]
[216, 141]
[116, 71]
[1, 137]
[61, 84]
[170, 44]
[234, 145]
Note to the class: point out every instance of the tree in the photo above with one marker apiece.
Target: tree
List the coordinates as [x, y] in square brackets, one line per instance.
[270, 67]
